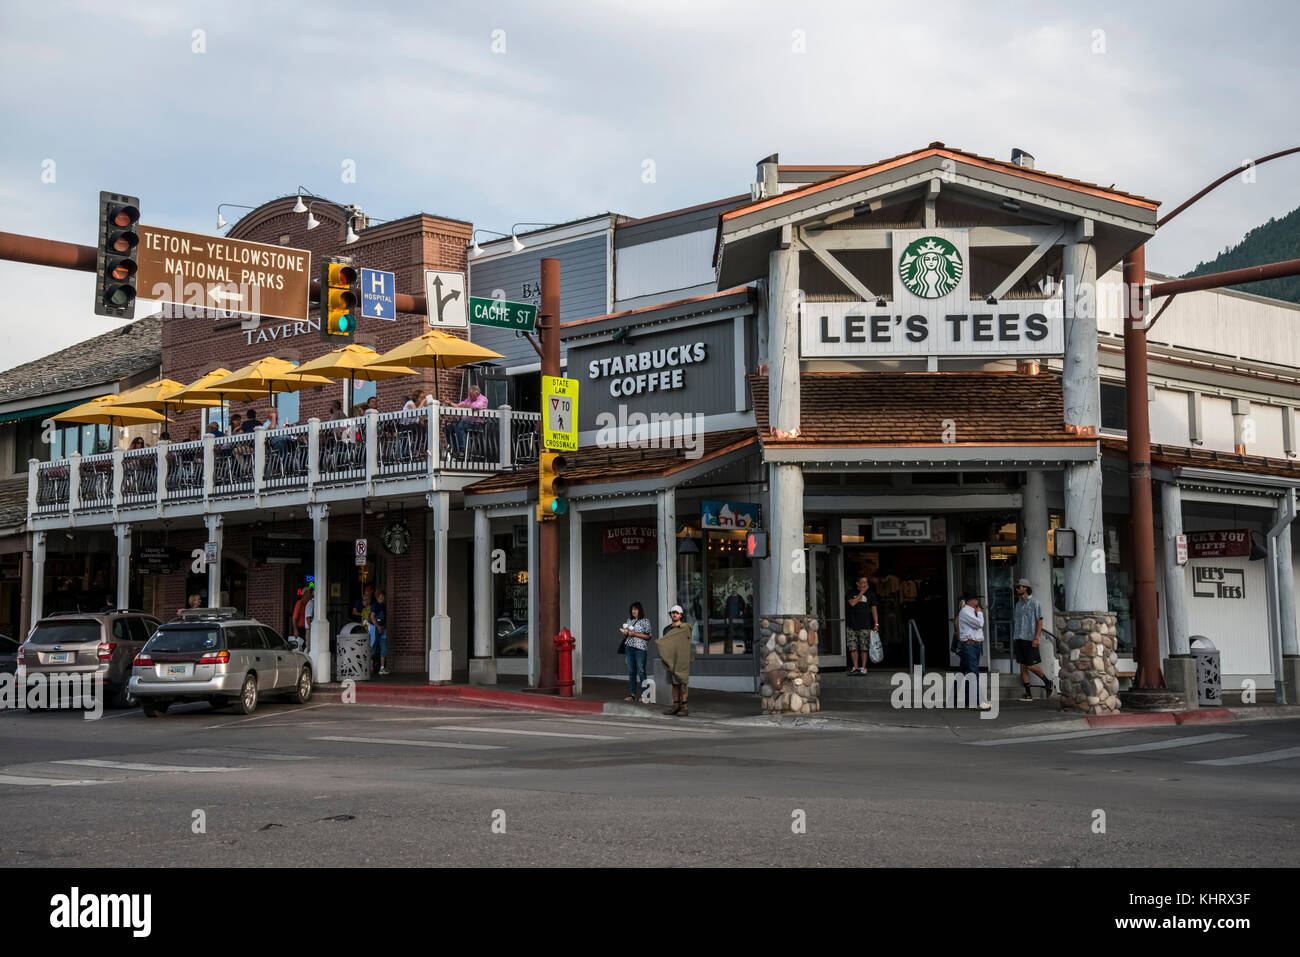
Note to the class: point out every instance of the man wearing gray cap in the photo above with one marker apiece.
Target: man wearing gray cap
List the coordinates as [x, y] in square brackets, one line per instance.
[1025, 635]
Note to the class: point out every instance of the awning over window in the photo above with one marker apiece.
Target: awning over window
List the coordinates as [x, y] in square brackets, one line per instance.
[40, 412]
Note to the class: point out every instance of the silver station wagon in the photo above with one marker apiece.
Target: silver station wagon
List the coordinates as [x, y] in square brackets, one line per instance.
[219, 656]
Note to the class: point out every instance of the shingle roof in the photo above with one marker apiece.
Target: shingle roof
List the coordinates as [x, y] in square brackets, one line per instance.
[113, 355]
[857, 409]
[940, 149]
[593, 465]
[1177, 456]
[13, 501]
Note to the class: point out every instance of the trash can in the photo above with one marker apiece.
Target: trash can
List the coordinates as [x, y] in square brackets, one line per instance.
[1209, 683]
[352, 653]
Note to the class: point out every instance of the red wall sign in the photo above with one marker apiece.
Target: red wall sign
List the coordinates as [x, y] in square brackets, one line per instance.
[1229, 543]
[630, 538]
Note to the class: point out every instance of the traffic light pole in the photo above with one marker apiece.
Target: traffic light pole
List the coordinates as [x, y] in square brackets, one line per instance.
[548, 563]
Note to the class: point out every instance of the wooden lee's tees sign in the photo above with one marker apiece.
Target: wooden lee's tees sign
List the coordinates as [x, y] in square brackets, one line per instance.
[230, 276]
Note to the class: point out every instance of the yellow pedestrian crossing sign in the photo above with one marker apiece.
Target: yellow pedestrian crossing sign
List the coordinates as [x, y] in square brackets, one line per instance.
[560, 414]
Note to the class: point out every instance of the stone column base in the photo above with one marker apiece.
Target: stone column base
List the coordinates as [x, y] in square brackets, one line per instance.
[1086, 654]
[791, 675]
[1180, 676]
[482, 671]
[1291, 678]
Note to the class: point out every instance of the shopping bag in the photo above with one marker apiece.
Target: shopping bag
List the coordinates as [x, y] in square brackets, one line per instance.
[875, 648]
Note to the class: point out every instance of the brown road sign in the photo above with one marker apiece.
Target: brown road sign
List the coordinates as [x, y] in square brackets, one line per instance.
[215, 274]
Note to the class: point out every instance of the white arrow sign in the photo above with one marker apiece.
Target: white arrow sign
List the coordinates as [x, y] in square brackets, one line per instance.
[217, 293]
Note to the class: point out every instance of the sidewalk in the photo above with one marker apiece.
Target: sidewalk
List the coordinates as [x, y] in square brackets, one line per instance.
[605, 696]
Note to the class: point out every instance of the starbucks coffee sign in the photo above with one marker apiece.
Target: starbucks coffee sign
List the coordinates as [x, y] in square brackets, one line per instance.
[932, 313]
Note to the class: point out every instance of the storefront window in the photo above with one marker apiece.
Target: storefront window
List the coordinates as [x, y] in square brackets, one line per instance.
[715, 585]
[361, 392]
[286, 405]
[510, 596]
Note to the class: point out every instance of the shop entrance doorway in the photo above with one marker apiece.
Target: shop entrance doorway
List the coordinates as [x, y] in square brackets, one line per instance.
[912, 584]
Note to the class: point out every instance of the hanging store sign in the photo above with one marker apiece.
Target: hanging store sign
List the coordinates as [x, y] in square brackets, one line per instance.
[900, 528]
[730, 515]
[283, 551]
[630, 538]
[648, 370]
[1225, 543]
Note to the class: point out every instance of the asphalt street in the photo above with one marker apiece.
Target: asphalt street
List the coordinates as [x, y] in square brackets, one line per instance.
[330, 784]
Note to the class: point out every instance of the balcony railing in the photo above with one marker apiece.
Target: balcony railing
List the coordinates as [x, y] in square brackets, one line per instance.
[373, 449]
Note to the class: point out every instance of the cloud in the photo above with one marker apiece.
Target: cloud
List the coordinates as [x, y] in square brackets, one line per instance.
[560, 124]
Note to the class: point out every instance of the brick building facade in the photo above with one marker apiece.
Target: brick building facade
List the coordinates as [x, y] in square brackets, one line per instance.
[193, 347]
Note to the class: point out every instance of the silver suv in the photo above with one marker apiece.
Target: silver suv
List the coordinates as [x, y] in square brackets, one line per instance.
[82, 643]
[219, 656]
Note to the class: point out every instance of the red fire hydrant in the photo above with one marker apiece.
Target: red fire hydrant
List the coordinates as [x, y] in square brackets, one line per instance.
[564, 643]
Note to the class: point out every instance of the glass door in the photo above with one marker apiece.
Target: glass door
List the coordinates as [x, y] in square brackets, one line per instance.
[823, 602]
[970, 577]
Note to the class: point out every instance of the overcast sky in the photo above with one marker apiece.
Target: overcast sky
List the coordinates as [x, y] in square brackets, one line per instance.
[548, 110]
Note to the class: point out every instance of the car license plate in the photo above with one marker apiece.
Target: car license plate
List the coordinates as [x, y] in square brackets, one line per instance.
[176, 669]
[59, 656]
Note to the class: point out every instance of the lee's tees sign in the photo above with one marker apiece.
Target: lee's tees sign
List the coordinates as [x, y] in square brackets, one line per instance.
[931, 313]
[223, 275]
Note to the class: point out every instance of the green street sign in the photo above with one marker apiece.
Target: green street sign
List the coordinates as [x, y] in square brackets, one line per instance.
[502, 314]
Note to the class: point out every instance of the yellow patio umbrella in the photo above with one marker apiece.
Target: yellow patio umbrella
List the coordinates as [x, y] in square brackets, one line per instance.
[352, 362]
[104, 411]
[163, 395]
[436, 350]
[262, 378]
[198, 389]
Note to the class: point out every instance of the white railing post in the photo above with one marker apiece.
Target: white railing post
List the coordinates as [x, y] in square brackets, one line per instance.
[209, 465]
[507, 436]
[372, 449]
[33, 484]
[74, 483]
[313, 453]
[160, 485]
[259, 462]
[119, 468]
[435, 435]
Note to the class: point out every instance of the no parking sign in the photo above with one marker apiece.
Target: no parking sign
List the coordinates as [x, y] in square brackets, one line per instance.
[362, 548]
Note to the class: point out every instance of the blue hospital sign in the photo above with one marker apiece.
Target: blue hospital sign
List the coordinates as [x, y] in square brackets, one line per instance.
[378, 295]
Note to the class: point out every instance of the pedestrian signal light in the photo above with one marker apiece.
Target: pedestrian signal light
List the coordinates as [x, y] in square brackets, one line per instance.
[116, 258]
[756, 544]
[552, 487]
[338, 301]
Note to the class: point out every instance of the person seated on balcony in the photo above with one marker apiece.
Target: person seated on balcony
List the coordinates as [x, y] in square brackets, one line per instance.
[371, 403]
[214, 430]
[193, 434]
[251, 420]
[234, 423]
[456, 434]
[137, 442]
[336, 411]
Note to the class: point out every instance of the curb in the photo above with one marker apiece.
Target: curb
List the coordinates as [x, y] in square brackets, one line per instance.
[435, 696]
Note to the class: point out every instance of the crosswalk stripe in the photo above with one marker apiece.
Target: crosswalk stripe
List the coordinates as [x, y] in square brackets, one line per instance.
[665, 727]
[1062, 736]
[245, 754]
[1263, 757]
[1162, 745]
[47, 782]
[135, 766]
[539, 734]
[414, 744]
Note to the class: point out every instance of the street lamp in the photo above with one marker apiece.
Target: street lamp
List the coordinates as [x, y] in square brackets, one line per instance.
[221, 221]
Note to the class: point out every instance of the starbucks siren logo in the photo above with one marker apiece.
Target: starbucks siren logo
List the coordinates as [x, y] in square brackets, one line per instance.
[930, 267]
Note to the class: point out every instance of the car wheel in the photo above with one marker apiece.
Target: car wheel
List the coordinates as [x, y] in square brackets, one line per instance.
[152, 709]
[247, 700]
[122, 698]
[301, 692]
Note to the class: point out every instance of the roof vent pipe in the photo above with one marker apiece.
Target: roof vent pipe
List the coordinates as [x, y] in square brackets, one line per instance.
[767, 181]
[1021, 158]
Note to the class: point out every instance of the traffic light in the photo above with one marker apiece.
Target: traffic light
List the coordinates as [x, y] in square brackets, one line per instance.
[115, 261]
[338, 301]
[551, 488]
[756, 544]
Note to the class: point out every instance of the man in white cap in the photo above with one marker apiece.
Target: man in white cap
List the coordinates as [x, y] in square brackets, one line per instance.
[674, 648]
[1026, 632]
